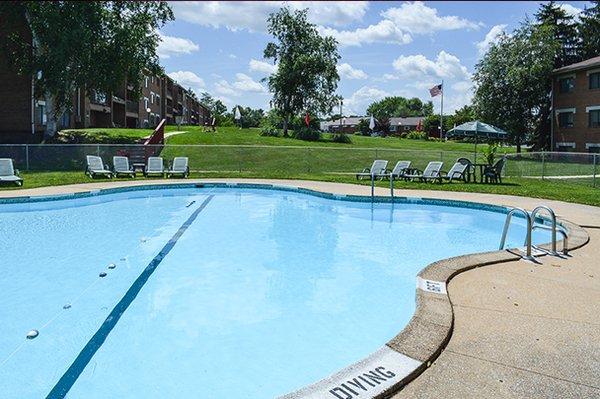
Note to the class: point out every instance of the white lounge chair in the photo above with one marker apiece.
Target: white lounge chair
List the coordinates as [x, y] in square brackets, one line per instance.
[401, 168]
[458, 171]
[154, 167]
[8, 173]
[431, 172]
[121, 167]
[95, 167]
[179, 167]
[377, 169]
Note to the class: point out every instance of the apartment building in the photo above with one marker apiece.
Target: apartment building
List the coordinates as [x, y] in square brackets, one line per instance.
[23, 117]
[576, 105]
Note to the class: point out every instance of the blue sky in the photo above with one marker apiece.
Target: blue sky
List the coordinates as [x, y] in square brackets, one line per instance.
[387, 48]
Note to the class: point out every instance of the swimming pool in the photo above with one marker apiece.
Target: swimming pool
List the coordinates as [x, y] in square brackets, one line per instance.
[215, 292]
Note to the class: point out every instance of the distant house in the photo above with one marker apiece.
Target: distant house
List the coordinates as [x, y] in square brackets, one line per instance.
[576, 105]
[350, 125]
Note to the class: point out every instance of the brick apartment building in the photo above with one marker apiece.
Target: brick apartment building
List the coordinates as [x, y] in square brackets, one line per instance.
[23, 117]
[576, 105]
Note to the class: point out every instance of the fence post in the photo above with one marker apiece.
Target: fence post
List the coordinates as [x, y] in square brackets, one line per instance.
[27, 157]
[595, 167]
[98, 149]
[543, 164]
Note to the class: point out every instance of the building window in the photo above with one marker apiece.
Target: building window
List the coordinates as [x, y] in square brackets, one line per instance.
[146, 81]
[566, 119]
[566, 85]
[158, 100]
[145, 103]
[151, 98]
[593, 148]
[595, 80]
[565, 147]
[594, 118]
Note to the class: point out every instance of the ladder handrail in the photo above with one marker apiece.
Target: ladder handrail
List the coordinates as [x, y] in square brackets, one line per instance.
[529, 229]
[534, 213]
[565, 238]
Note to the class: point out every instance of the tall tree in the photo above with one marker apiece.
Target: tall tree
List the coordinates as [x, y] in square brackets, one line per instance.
[588, 29]
[564, 30]
[216, 107]
[306, 77]
[400, 107]
[95, 45]
[513, 81]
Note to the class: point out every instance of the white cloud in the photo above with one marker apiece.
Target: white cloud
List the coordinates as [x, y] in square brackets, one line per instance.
[232, 56]
[171, 45]
[361, 99]
[347, 71]
[570, 9]
[418, 66]
[417, 18]
[188, 79]
[242, 83]
[384, 32]
[262, 66]
[252, 16]
[224, 88]
[399, 24]
[490, 38]
[246, 83]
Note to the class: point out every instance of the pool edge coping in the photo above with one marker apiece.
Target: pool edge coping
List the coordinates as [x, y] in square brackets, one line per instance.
[430, 328]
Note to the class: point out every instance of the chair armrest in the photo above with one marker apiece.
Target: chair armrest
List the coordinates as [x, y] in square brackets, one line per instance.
[17, 173]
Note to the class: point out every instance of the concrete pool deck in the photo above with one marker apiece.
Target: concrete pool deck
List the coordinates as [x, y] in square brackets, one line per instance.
[515, 329]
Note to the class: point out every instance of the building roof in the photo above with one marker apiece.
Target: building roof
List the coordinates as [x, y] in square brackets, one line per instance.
[590, 63]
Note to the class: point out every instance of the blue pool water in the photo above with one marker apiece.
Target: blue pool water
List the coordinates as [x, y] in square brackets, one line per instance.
[217, 292]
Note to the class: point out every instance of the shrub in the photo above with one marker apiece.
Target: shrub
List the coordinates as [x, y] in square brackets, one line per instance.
[306, 133]
[269, 131]
[363, 127]
[489, 152]
[414, 135]
[341, 138]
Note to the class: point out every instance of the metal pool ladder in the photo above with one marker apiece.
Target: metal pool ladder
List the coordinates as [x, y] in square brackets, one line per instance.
[531, 225]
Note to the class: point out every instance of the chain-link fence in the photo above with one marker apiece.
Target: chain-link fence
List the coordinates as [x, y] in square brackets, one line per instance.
[580, 168]
[286, 160]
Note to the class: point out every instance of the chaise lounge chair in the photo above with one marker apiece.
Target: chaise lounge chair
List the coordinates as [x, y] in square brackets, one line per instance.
[95, 167]
[401, 168]
[8, 173]
[121, 167]
[154, 167]
[377, 169]
[432, 172]
[179, 167]
[458, 171]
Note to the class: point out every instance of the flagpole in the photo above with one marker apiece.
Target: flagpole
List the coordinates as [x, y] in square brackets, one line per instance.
[442, 113]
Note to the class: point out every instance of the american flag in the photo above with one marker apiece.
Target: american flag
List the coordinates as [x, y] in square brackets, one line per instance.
[435, 90]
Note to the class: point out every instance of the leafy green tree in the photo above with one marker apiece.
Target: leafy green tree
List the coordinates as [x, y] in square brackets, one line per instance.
[463, 115]
[95, 45]
[306, 77]
[513, 82]
[588, 29]
[564, 31]
[250, 117]
[217, 109]
[399, 107]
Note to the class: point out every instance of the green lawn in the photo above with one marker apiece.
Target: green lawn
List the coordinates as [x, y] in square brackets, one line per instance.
[244, 153]
[536, 188]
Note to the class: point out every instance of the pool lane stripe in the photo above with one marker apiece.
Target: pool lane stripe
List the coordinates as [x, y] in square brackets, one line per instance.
[65, 383]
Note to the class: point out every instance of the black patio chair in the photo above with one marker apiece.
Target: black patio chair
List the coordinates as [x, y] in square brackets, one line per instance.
[493, 172]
